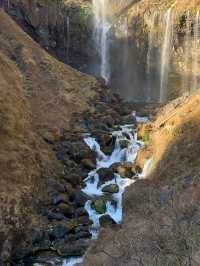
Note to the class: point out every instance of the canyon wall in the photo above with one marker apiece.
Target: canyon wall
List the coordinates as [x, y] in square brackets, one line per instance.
[134, 43]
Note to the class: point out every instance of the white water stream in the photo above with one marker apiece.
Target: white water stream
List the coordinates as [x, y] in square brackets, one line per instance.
[115, 211]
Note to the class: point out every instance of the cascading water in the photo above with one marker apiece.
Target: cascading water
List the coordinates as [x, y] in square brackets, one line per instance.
[150, 56]
[166, 54]
[187, 54]
[101, 30]
[196, 52]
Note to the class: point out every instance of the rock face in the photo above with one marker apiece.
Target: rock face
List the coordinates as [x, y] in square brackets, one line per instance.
[63, 28]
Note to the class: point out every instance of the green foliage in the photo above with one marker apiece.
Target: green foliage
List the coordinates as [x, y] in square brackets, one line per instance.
[146, 137]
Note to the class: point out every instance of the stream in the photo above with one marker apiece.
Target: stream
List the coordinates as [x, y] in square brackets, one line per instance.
[111, 202]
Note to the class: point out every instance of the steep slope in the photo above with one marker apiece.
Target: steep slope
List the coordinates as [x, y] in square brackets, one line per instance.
[43, 107]
[161, 222]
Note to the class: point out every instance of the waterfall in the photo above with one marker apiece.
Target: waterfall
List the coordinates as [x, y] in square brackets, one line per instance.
[196, 51]
[165, 54]
[187, 54]
[150, 55]
[101, 29]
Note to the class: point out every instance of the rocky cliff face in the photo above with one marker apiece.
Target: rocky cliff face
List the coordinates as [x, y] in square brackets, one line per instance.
[135, 42]
[63, 28]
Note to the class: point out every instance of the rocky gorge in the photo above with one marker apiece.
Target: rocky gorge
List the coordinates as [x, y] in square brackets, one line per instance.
[70, 144]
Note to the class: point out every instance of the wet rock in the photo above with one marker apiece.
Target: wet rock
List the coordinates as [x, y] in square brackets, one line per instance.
[113, 188]
[60, 198]
[99, 205]
[124, 143]
[66, 209]
[59, 231]
[80, 198]
[106, 220]
[126, 171]
[105, 174]
[88, 163]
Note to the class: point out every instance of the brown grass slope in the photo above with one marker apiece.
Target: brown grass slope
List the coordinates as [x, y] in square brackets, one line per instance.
[162, 214]
[38, 94]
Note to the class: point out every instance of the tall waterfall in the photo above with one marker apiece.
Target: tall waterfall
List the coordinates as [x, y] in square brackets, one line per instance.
[150, 56]
[187, 55]
[165, 54]
[196, 52]
[101, 29]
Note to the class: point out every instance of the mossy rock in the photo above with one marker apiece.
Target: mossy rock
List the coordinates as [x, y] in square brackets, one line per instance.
[99, 205]
[113, 188]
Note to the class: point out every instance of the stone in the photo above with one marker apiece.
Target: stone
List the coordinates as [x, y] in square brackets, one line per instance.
[55, 216]
[105, 174]
[74, 179]
[80, 198]
[66, 209]
[58, 231]
[76, 248]
[84, 220]
[112, 188]
[99, 206]
[60, 198]
[70, 191]
[80, 212]
[106, 220]
[83, 234]
[88, 163]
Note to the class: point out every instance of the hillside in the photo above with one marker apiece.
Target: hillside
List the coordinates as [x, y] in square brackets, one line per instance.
[161, 216]
[43, 107]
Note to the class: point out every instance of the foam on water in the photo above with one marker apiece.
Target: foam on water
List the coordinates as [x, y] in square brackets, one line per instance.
[73, 261]
[114, 206]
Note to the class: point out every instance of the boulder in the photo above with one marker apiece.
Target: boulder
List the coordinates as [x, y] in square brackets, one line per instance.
[76, 248]
[106, 220]
[105, 174]
[58, 231]
[112, 188]
[99, 205]
[66, 209]
[80, 198]
[60, 198]
[88, 163]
